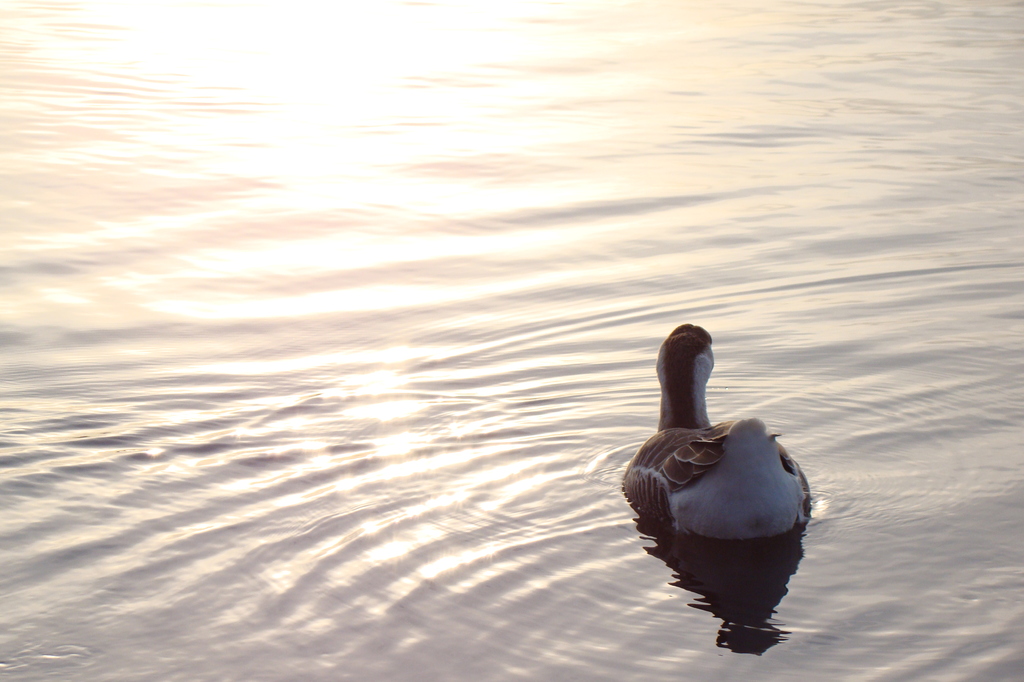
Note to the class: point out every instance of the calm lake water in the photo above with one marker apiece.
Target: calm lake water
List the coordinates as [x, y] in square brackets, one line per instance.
[328, 329]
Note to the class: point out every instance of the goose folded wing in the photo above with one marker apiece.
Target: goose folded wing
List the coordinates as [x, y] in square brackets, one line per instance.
[681, 455]
[790, 465]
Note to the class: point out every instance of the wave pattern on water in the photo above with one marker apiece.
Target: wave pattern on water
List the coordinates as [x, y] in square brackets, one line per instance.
[323, 362]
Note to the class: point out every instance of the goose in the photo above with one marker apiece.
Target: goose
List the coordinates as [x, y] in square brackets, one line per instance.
[731, 480]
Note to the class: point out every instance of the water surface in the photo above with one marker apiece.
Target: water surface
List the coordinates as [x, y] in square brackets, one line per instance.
[328, 330]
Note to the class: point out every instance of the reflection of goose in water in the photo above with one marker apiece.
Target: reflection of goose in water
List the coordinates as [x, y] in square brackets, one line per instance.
[732, 480]
[739, 581]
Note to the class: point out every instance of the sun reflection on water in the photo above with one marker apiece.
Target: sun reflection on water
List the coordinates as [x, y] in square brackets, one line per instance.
[419, 466]
[351, 250]
[385, 411]
[357, 299]
[382, 378]
[389, 550]
[446, 500]
[341, 68]
[435, 568]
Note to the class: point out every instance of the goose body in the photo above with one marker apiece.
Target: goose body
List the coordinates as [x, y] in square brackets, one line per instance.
[731, 480]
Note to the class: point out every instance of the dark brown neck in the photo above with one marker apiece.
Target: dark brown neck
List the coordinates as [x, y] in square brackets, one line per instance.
[682, 403]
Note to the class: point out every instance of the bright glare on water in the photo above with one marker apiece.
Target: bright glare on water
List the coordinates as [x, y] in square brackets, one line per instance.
[328, 329]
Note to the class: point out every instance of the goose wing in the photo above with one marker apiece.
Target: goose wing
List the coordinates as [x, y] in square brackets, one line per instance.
[668, 461]
[790, 465]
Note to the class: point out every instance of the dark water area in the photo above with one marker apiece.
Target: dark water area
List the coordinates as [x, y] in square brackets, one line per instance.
[740, 582]
[328, 331]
